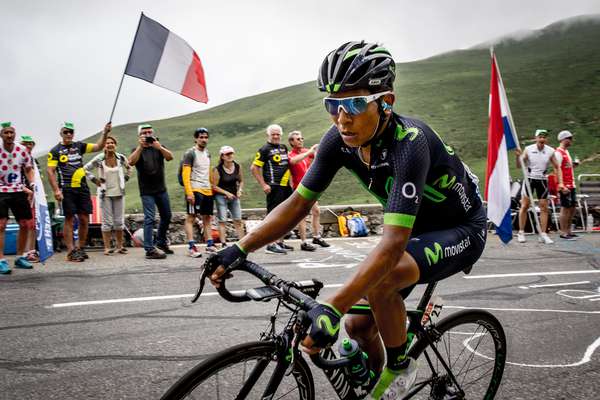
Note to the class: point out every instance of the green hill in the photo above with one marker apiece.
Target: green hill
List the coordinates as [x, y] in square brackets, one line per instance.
[552, 78]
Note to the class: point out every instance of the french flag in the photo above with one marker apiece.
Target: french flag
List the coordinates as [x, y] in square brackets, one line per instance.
[164, 59]
[501, 138]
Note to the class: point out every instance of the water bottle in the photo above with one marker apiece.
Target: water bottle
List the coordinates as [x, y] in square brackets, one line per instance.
[433, 310]
[589, 222]
[357, 371]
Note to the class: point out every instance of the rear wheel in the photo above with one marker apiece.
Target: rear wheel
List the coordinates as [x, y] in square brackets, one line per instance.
[243, 372]
[473, 345]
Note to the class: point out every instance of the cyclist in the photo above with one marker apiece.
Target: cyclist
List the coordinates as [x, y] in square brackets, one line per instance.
[434, 221]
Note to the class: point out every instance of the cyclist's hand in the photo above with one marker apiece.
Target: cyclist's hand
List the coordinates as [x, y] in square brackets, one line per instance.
[324, 327]
[225, 258]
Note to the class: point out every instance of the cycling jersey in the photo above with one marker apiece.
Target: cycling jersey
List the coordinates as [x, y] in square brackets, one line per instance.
[299, 169]
[538, 161]
[68, 160]
[273, 159]
[12, 164]
[419, 180]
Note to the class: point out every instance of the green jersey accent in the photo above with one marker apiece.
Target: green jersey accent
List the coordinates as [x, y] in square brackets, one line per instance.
[325, 323]
[306, 193]
[403, 220]
[433, 256]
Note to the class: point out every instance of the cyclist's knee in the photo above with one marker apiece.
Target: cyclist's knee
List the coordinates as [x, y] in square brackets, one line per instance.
[361, 326]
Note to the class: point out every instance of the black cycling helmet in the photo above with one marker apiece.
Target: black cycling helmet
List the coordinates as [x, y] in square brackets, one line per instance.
[198, 131]
[357, 65]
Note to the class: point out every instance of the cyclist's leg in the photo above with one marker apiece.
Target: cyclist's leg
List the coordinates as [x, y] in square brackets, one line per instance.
[363, 329]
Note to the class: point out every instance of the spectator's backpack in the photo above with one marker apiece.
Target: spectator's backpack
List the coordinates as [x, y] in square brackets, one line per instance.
[351, 223]
[180, 170]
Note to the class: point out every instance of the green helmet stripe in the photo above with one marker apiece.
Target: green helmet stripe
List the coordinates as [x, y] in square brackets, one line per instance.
[351, 53]
[380, 50]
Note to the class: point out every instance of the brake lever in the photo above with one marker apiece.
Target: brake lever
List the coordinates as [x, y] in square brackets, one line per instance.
[207, 269]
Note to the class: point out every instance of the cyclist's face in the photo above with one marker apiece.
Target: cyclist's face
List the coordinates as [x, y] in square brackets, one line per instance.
[356, 129]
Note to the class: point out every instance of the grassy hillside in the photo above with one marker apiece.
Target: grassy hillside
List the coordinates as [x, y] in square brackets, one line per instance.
[552, 80]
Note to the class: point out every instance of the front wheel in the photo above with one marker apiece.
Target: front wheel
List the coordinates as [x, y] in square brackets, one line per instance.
[473, 346]
[244, 372]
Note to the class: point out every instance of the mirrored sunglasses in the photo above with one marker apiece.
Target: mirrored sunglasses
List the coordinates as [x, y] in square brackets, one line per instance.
[351, 105]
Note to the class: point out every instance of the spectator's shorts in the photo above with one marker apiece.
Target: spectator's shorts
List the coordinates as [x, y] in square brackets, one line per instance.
[277, 196]
[203, 205]
[440, 254]
[76, 202]
[539, 187]
[17, 203]
[568, 200]
[223, 205]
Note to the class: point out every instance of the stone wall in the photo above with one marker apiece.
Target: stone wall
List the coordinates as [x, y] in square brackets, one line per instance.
[373, 214]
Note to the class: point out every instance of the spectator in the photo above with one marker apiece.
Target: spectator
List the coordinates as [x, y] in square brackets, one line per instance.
[537, 157]
[14, 159]
[568, 196]
[198, 191]
[300, 160]
[71, 187]
[228, 184]
[30, 251]
[275, 178]
[113, 171]
[149, 159]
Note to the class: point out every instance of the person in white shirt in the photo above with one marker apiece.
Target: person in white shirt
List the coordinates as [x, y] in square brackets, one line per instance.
[537, 158]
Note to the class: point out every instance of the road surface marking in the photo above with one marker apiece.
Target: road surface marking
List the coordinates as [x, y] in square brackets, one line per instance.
[588, 271]
[555, 284]
[523, 310]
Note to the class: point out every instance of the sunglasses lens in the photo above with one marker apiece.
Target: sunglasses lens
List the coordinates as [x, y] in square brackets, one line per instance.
[352, 105]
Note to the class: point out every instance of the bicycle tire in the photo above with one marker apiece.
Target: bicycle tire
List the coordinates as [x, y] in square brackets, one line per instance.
[210, 368]
[444, 334]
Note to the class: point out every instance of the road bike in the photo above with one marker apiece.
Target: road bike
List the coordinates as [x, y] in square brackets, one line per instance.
[460, 357]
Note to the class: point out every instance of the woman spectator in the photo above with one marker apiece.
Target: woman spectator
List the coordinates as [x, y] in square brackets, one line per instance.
[113, 171]
[228, 185]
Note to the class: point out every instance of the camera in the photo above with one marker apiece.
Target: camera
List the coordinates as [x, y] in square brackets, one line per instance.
[150, 139]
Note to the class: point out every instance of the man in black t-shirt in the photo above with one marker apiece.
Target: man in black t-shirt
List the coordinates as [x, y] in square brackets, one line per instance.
[271, 170]
[149, 160]
[70, 187]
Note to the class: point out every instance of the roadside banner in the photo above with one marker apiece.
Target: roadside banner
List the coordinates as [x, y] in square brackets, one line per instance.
[501, 138]
[43, 226]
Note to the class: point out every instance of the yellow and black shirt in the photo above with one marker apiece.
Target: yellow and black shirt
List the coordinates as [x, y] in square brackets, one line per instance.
[68, 160]
[273, 159]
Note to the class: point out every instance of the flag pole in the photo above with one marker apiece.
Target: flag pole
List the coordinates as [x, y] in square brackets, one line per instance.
[125, 69]
[528, 192]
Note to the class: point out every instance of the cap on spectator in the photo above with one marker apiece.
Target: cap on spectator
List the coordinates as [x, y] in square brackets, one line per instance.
[562, 135]
[143, 126]
[6, 124]
[68, 125]
[226, 149]
[27, 138]
[541, 132]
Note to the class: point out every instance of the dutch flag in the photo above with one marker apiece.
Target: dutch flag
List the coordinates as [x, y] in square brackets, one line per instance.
[501, 138]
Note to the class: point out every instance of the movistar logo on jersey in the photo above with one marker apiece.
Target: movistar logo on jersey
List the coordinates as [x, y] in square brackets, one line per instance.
[324, 322]
[443, 182]
[433, 256]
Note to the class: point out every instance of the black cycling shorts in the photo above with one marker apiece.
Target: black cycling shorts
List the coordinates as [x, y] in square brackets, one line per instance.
[539, 187]
[203, 205]
[440, 254]
[76, 202]
[568, 200]
[278, 195]
[17, 203]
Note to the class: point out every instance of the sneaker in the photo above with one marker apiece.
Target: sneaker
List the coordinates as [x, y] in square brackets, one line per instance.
[320, 242]
[573, 235]
[211, 249]
[21, 262]
[33, 257]
[74, 256]
[395, 384]
[307, 247]
[155, 254]
[165, 249]
[544, 238]
[285, 246]
[194, 252]
[521, 237]
[274, 249]
[81, 252]
[4, 267]
[567, 237]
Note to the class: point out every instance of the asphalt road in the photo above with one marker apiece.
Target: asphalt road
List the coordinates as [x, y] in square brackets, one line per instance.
[133, 342]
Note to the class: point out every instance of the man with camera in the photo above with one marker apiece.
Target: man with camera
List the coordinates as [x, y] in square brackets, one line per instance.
[149, 160]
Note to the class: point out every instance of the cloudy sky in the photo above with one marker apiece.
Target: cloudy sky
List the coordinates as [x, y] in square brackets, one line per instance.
[62, 60]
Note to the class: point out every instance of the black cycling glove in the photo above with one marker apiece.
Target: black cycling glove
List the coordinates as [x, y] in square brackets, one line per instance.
[325, 324]
[228, 257]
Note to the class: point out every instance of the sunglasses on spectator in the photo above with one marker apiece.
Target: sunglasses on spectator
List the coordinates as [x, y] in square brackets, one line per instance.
[68, 132]
[228, 154]
[351, 105]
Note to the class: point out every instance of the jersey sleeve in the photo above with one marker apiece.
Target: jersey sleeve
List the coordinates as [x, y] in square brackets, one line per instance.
[410, 163]
[326, 164]
[262, 155]
[86, 147]
[188, 158]
[53, 157]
